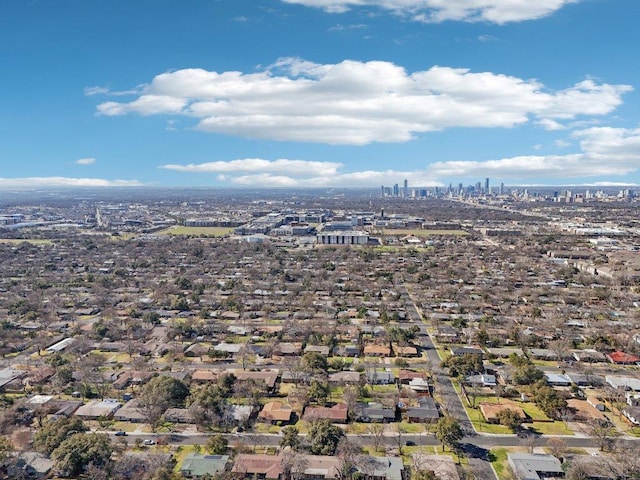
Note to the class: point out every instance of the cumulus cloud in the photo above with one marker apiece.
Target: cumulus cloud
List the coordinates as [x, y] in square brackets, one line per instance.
[359, 103]
[434, 11]
[85, 161]
[605, 151]
[297, 168]
[44, 182]
[296, 173]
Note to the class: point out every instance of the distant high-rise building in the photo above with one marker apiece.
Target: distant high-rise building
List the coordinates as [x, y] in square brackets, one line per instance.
[501, 188]
[406, 188]
[382, 190]
[396, 190]
[486, 185]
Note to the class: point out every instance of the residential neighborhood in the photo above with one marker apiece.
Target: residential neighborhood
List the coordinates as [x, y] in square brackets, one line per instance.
[467, 337]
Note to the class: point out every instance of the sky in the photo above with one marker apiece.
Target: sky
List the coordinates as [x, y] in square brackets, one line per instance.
[319, 93]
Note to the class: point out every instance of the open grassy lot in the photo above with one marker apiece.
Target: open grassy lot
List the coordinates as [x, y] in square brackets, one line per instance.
[423, 233]
[541, 423]
[18, 241]
[197, 231]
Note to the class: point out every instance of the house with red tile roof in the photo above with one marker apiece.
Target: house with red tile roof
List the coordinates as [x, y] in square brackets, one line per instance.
[622, 358]
[337, 413]
[258, 466]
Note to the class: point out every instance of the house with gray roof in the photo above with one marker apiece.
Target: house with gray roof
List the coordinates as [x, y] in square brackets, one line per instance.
[425, 412]
[197, 466]
[535, 466]
[374, 412]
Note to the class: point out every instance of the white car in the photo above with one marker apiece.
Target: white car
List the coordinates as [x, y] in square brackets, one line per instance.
[148, 441]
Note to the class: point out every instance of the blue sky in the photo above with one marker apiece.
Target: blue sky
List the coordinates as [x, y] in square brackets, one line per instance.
[316, 93]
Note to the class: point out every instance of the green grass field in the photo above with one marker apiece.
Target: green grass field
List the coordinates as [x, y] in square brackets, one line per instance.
[498, 459]
[18, 241]
[422, 233]
[197, 231]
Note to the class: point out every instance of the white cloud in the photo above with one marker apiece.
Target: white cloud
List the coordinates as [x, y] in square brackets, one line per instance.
[44, 182]
[297, 173]
[360, 102]
[605, 151]
[91, 91]
[561, 143]
[297, 168]
[433, 11]
[85, 161]
[549, 124]
[339, 27]
[97, 90]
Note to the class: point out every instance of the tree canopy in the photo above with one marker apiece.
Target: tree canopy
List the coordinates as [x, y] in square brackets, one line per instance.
[77, 452]
[52, 434]
[324, 437]
[159, 394]
[448, 431]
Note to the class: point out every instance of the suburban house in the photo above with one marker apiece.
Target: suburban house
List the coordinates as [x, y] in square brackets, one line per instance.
[491, 411]
[557, 379]
[197, 466]
[482, 380]
[623, 383]
[443, 466]
[269, 377]
[337, 413]
[178, 415]
[374, 412]
[622, 358]
[98, 408]
[373, 350]
[588, 355]
[632, 414]
[268, 467]
[274, 412]
[344, 378]
[534, 466]
[425, 411]
[380, 378]
[459, 351]
[321, 349]
[130, 412]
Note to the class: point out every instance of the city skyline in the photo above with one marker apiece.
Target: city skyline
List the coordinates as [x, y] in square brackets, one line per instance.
[319, 93]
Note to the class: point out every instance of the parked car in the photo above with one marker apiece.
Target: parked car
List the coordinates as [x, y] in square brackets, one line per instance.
[148, 441]
[121, 433]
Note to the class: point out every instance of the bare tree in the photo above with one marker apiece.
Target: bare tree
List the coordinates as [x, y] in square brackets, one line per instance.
[376, 431]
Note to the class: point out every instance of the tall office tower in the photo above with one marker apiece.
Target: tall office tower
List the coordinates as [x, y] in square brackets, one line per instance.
[501, 188]
[382, 190]
[460, 188]
[406, 188]
[486, 185]
[396, 190]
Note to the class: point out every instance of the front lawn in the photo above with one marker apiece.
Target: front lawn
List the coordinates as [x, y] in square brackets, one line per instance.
[498, 459]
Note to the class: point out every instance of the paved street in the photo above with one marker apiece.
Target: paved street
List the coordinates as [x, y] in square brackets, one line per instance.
[448, 396]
